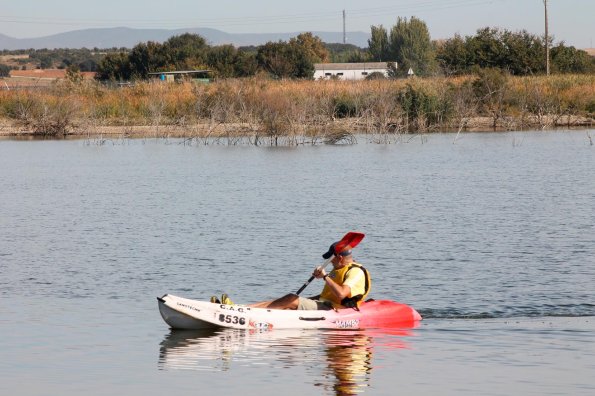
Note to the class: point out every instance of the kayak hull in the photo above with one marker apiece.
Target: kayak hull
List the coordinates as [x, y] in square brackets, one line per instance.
[183, 313]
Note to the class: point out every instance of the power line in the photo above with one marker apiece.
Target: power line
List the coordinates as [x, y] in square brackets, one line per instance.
[355, 14]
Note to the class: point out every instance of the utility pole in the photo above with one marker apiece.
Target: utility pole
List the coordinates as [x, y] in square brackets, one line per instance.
[547, 42]
[344, 34]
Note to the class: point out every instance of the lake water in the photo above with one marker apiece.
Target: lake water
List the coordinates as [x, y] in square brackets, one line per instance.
[491, 239]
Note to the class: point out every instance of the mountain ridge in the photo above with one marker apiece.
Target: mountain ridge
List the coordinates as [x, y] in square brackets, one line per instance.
[129, 37]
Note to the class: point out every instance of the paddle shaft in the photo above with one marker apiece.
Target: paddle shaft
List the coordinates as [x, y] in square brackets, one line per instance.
[312, 277]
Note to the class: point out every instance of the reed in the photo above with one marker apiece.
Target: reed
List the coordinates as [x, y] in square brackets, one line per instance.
[264, 111]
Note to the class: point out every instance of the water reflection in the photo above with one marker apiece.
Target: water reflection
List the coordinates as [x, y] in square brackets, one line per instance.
[346, 356]
[349, 360]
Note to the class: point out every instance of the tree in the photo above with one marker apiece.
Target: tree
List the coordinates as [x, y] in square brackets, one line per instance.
[519, 53]
[410, 45]
[225, 61]
[487, 48]
[571, 60]
[453, 55]
[312, 46]
[88, 65]
[222, 60]
[285, 60]
[247, 65]
[45, 62]
[523, 54]
[114, 67]
[272, 58]
[145, 58]
[378, 46]
[185, 51]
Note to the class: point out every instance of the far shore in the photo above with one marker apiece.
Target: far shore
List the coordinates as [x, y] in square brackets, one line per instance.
[289, 112]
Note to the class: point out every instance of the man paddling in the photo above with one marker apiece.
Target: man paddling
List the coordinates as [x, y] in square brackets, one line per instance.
[346, 286]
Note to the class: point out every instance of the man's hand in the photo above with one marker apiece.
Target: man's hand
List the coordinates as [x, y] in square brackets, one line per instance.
[319, 272]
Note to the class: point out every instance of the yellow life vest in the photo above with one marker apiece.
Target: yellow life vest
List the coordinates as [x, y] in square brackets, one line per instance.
[338, 276]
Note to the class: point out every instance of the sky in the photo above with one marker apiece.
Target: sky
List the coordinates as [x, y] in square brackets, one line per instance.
[570, 21]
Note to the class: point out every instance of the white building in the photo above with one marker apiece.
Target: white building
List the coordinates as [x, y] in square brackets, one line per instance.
[349, 71]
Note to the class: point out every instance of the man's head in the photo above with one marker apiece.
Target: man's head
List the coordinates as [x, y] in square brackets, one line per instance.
[339, 254]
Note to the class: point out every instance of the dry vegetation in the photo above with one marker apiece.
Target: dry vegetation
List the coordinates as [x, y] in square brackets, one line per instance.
[261, 111]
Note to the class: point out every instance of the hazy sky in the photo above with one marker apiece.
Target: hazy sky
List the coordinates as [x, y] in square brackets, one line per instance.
[571, 21]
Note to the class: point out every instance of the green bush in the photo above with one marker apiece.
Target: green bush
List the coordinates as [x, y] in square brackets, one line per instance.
[4, 70]
[345, 106]
[421, 105]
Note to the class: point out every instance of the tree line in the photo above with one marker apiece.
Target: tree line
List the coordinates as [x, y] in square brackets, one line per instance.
[518, 53]
[83, 58]
[408, 43]
[292, 59]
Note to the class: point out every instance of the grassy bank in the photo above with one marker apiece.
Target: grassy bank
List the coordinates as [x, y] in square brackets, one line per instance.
[294, 112]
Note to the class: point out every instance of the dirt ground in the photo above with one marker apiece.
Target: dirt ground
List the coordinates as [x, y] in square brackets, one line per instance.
[37, 77]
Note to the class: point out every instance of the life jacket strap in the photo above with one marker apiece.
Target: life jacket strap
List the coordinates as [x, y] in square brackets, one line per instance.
[351, 302]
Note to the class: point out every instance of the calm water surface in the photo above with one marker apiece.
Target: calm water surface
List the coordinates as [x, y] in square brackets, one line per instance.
[492, 239]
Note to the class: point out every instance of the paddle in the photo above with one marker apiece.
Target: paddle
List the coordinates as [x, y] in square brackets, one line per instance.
[351, 239]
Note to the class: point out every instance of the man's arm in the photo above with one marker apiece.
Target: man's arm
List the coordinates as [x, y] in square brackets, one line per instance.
[356, 280]
[341, 291]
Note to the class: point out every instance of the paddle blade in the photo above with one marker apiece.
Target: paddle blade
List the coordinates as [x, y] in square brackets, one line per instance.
[349, 241]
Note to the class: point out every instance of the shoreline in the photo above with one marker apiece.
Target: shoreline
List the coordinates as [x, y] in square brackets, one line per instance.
[352, 126]
[289, 112]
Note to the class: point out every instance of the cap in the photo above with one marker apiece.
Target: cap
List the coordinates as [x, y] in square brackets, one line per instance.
[331, 251]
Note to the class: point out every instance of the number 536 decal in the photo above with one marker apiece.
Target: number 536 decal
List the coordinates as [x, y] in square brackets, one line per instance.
[233, 319]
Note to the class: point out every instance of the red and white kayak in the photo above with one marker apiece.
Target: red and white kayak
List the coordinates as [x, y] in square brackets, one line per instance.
[183, 313]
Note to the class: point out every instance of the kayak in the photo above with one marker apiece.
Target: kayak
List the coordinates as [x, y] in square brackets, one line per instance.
[184, 313]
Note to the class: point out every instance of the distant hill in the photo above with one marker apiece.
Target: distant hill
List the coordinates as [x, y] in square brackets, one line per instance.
[127, 37]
